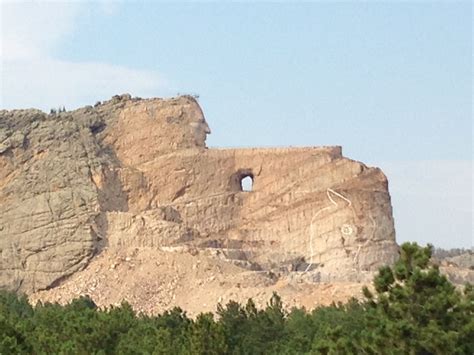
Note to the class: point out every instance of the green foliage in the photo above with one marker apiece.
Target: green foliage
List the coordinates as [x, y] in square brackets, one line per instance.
[417, 310]
[412, 310]
[207, 336]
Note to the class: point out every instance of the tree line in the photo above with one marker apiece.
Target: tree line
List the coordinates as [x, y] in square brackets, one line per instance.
[413, 309]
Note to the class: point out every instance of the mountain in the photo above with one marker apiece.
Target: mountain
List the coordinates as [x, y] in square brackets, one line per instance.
[123, 199]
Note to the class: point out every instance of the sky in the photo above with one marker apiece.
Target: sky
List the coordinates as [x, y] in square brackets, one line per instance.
[391, 82]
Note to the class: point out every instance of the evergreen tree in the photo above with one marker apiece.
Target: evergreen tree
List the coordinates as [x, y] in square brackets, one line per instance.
[413, 309]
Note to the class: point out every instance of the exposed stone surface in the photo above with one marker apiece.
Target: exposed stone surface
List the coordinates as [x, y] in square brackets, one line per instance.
[460, 268]
[153, 281]
[465, 260]
[48, 203]
[136, 174]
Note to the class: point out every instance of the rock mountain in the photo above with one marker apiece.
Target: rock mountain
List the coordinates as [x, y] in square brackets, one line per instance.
[135, 175]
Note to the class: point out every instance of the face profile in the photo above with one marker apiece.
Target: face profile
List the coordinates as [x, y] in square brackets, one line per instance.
[200, 131]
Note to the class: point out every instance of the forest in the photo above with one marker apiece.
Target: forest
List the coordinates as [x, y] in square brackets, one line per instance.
[411, 308]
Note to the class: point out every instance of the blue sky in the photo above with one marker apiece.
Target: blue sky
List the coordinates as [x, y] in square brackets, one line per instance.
[389, 81]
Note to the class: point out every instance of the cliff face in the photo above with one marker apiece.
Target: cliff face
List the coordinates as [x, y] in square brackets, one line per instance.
[133, 173]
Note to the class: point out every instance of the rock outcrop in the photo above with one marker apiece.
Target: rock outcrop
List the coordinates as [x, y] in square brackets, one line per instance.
[133, 173]
[459, 268]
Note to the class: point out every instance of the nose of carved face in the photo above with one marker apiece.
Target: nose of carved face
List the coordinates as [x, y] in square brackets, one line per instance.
[206, 128]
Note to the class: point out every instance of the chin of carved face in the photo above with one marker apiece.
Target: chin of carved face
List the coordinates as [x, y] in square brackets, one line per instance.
[200, 130]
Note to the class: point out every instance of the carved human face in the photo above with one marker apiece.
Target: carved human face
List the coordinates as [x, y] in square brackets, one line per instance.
[200, 130]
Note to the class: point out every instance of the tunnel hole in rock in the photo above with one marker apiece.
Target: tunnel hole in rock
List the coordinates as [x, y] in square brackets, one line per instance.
[246, 184]
[242, 180]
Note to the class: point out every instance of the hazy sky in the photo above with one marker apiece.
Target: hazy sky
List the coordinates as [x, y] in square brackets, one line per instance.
[391, 82]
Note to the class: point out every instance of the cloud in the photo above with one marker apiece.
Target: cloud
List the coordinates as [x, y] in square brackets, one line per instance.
[32, 29]
[33, 77]
[432, 201]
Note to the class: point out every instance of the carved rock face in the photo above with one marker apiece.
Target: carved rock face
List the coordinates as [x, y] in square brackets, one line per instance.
[137, 173]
